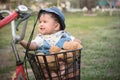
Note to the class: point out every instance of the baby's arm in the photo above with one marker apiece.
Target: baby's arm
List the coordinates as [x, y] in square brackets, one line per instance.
[32, 46]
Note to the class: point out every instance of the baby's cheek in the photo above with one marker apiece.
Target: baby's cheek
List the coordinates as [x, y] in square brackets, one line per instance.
[38, 30]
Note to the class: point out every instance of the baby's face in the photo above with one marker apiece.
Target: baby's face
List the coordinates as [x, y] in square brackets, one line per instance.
[47, 25]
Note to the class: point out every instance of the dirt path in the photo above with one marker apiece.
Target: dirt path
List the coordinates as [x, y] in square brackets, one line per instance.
[6, 64]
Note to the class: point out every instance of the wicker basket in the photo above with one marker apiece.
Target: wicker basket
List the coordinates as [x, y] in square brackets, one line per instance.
[54, 67]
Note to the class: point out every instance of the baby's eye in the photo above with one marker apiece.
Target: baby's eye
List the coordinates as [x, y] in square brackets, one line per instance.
[44, 21]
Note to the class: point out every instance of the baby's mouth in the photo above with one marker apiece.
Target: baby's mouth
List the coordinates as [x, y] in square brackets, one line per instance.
[41, 28]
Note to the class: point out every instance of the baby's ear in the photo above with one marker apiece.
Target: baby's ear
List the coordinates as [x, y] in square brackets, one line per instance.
[57, 27]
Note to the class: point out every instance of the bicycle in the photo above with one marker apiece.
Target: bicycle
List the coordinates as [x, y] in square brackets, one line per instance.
[71, 70]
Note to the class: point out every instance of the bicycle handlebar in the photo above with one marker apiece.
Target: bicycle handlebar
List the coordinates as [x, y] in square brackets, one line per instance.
[8, 19]
[21, 13]
[20, 10]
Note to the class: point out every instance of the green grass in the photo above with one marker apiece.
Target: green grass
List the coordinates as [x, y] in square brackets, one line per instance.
[100, 55]
[100, 36]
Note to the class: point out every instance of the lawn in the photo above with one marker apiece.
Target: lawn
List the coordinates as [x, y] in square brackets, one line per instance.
[100, 36]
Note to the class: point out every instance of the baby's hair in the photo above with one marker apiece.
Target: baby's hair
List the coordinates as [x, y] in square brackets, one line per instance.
[54, 16]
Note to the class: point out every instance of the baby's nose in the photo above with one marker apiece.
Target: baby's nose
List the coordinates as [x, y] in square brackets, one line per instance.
[41, 24]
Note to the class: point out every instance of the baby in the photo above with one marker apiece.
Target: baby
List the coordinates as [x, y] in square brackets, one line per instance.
[51, 30]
